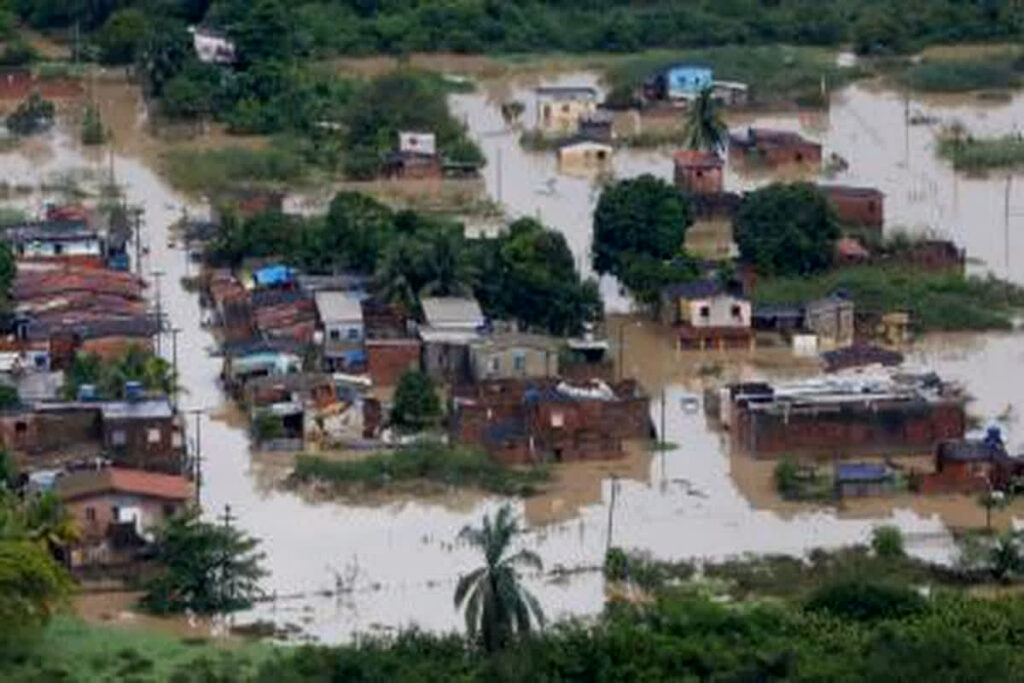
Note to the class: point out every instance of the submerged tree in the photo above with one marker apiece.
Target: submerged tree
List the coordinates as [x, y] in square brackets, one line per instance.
[93, 132]
[497, 607]
[34, 115]
[207, 568]
[704, 128]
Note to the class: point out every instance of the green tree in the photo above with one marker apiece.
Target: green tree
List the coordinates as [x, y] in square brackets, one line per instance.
[704, 128]
[49, 523]
[32, 588]
[357, 230]
[265, 33]
[206, 568]
[165, 52]
[109, 377]
[496, 605]
[34, 115]
[1005, 556]
[786, 229]
[645, 216]
[122, 35]
[93, 132]
[8, 269]
[416, 403]
[8, 472]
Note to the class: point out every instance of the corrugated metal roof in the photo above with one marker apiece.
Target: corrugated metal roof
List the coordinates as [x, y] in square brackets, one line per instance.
[452, 312]
[338, 307]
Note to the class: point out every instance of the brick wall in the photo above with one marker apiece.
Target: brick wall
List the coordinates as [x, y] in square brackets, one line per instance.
[389, 359]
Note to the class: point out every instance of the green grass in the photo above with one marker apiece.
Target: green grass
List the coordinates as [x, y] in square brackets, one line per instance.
[978, 155]
[957, 75]
[211, 171]
[72, 651]
[423, 462]
[776, 74]
[936, 301]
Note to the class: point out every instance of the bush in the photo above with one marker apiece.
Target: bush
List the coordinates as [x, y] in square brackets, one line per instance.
[213, 171]
[93, 132]
[961, 75]
[887, 542]
[426, 461]
[34, 115]
[859, 600]
[416, 403]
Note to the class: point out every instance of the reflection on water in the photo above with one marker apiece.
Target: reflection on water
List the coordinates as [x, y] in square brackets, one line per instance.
[396, 559]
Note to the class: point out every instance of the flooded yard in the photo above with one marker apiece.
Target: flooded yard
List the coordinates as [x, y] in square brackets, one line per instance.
[341, 568]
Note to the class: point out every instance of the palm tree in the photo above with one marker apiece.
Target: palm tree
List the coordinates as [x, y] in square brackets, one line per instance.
[448, 271]
[704, 128]
[496, 604]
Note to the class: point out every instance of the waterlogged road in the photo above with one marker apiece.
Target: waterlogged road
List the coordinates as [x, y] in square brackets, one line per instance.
[399, 557]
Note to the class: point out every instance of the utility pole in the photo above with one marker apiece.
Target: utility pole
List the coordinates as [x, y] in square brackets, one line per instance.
[1006, 224]
[137, 213]
[198, 458]
[175, 331]
[622, 345]
[611, 512]
[157, 274]
[498, 174]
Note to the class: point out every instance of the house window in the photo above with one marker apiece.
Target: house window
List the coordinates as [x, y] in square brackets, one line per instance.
[118, 438]
[736, 312]
[152, 435]
[700, 174]
[20, 427]
[871, 207]
[557, 420]
[168, 509]
[58, 249]
[519, 361]
[705, 311]
[799, 157]
[565, 108]
[90, 514]
[353, 333]
[495, 364]
[335, 334]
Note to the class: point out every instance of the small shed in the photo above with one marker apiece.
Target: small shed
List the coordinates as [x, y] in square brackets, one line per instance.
[583, 153]
[862, 480]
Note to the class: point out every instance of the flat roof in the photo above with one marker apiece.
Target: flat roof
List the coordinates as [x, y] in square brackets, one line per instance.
[447, 311]
[136, 410]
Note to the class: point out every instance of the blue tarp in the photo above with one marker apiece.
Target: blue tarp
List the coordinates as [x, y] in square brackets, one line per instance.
[271, 276]
[861, 472]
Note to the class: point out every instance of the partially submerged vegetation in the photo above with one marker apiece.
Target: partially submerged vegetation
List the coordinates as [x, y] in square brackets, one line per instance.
[983, 154]
[216, 170]
[936, 301]
[964, 75]
[420, 463]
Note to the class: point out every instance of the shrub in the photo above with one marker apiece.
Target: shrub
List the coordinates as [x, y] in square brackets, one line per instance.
[887, 542]
[866, 601]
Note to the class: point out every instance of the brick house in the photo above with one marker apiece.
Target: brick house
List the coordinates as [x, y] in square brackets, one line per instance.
[143, 434]
[857, 206]
[773, 147]
[547, 420]
[698, 172]
[117, 510]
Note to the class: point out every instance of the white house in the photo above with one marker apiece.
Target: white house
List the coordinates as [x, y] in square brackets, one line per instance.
[212, 47]
[341, 317]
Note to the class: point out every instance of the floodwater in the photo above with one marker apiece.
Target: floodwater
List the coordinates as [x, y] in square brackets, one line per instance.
[395, 561]
[865, 125]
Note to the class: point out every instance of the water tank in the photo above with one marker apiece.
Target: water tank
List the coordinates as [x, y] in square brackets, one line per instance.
[133, 391]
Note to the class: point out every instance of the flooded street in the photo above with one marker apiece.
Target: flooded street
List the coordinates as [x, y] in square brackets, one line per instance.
[395, 559]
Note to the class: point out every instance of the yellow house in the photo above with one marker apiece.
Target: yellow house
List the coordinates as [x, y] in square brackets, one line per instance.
[559, 109]
[584, 157]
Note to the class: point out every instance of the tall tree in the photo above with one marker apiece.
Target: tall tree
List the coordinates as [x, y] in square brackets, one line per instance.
[786, 229]
[644, 216]
[416, 403]
[207, 568]
[497, 606]
[704, 128]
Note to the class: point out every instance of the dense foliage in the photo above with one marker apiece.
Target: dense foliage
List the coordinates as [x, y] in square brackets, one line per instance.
[110, 376]
[264, 28]
[639, 228]
[526, 273]
[979, 155]
[786, 229]
[206, 568]
[417, 464]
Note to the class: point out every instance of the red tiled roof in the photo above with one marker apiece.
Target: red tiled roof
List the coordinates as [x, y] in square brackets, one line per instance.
[120, 480]
[848, 247]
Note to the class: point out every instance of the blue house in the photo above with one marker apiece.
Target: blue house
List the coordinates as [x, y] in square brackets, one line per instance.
[685, 81]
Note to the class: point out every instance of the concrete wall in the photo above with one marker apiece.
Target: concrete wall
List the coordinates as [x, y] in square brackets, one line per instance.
[513, 361]
[562, 116]
[150, 444]
[699, 179]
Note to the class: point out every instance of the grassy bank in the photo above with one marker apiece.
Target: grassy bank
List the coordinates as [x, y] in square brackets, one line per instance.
[420, 463]
[964, 75]
[936, 301]
[211, 171]
[72, 651]
[776, 74]
[977, 155]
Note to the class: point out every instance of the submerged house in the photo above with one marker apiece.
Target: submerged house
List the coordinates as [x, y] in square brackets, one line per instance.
[560, 108]
[698, 172]
[706, 316]
[862, 207]
[773, 147]
[416, 158]
[836, 416]
[584, 155]
[451, 326]
[521, 421]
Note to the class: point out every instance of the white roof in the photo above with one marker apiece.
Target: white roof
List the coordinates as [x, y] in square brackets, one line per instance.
[338, 307]
[450, 312]
[586, 144]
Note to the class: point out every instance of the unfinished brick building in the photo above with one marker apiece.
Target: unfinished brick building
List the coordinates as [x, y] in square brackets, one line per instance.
[547, 420]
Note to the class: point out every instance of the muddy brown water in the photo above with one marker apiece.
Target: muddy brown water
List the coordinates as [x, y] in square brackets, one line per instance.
[397, 561]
